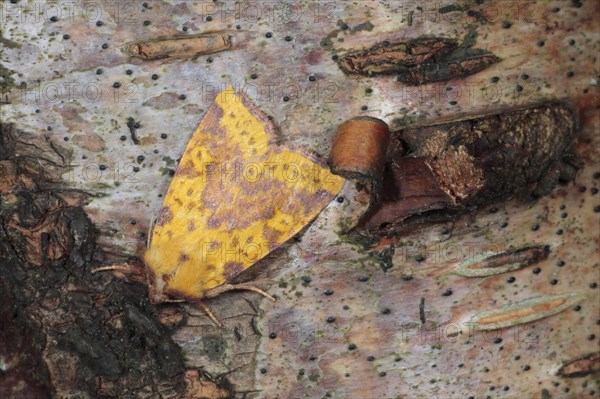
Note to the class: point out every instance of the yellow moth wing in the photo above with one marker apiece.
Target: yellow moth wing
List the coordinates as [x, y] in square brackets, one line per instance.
[234, 198]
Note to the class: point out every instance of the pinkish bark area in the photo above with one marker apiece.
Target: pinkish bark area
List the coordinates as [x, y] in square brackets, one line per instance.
[349, 323]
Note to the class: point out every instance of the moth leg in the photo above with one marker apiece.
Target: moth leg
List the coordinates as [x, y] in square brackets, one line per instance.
[230, 287]
[206, 310]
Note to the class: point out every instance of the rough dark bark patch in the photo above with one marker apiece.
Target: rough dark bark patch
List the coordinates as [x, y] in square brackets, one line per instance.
[86, 333]
[20, 351]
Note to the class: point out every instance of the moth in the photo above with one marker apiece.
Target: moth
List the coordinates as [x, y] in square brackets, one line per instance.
[235, 197]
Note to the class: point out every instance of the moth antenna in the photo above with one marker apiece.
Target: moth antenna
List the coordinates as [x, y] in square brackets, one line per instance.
[150, 230]
[230, 287]
[208, 313]
[121, 267]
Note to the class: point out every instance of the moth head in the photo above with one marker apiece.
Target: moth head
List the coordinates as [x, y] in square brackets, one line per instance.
[157, 288]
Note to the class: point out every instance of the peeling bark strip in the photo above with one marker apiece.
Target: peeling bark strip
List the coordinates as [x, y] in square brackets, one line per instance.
[524, 312]
[182, 47]
[409, 188]
[454, 167]
[393, 58]
[446, 70]
[421, 60]
[503, 262]
[359, 149]
[581, 367]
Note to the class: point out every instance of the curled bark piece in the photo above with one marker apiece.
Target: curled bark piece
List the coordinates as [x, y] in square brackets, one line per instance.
[391, 58]
[581, 367]
[359, 150]
[409, 188]
[180, 47]
[523, 312]
[476, 162]
[496, 263]
[514, 152]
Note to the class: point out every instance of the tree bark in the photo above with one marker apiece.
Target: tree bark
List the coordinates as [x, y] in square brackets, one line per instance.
[86, 152]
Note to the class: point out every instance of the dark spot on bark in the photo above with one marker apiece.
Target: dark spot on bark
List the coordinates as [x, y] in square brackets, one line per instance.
[214, 347]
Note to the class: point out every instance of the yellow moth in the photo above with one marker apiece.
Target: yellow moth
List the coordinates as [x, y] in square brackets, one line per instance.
[236, 196]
